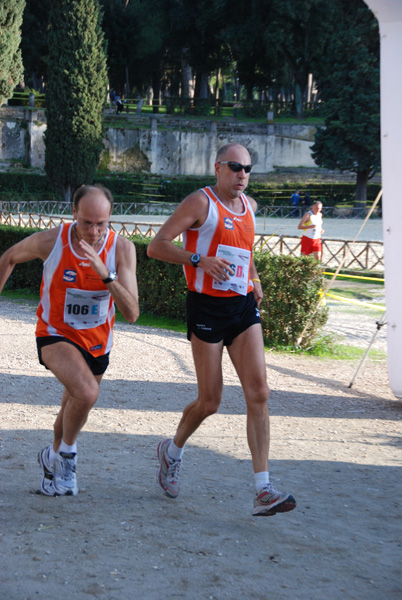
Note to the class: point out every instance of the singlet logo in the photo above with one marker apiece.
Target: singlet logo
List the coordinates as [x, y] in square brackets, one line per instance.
[84, 264]
[98, 347]
[69, 275]
[228, 223]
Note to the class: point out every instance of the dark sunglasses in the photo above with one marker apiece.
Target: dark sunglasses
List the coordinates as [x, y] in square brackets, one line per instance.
[235, 166]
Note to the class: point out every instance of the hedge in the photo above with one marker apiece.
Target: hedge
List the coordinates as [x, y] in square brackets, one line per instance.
[291, 286]
[174, 189]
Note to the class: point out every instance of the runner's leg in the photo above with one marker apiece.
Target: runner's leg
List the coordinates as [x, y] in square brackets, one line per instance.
[247, 355]
[208, 365]
[81, 388]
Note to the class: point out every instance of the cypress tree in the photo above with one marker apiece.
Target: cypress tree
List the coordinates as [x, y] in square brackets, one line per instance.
[11, 69]
[75, 94]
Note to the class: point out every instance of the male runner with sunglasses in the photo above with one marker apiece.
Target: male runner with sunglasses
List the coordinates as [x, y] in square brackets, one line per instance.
[218, 225]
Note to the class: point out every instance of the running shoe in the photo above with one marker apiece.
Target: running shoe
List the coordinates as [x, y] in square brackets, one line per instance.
[168, 472]
[46, 486]
[268, 501]
[65, 479]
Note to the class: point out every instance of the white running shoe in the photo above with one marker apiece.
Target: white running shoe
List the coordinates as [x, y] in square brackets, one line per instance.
[46, 486]
[168, 472]
[65, 479]
[268, 501]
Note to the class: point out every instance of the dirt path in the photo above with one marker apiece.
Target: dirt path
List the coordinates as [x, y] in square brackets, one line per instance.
[338, 450]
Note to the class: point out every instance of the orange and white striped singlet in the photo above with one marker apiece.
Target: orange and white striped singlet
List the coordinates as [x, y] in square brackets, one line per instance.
[222, 227]
[75, 303]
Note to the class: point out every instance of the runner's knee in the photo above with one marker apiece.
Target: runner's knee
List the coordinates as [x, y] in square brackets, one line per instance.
[87, 393]
[258, 395]
[209, 405]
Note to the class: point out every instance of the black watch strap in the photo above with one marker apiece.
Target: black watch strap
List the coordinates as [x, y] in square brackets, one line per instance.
[195, 259]
[112, 277]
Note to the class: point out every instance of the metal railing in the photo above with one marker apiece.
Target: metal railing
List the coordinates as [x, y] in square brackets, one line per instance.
[138, 207]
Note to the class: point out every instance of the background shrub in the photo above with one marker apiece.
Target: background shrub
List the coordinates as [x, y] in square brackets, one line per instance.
[291, 286]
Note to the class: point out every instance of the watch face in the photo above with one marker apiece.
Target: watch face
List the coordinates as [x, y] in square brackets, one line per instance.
[195, 259]
[110, 277]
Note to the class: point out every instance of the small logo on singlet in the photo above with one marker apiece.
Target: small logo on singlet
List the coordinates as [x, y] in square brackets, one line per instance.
[98, 347]
[69, 275]
[84, 264]
[228, 223]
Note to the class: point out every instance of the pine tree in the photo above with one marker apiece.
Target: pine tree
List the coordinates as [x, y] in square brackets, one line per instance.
[75, 94]
[11, 70]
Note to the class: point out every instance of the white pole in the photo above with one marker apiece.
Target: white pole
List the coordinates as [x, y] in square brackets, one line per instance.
[389, 15]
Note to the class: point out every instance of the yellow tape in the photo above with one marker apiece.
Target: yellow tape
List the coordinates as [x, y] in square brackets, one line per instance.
[356, 277]
[342, 299]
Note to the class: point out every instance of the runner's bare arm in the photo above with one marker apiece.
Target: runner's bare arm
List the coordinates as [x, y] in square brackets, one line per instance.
[258, 293]
[191, 213]
[37, 245]
[302, 225]
[124, 290]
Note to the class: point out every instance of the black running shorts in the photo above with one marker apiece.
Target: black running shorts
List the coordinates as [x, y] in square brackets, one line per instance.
[213, 319]
[97, 364]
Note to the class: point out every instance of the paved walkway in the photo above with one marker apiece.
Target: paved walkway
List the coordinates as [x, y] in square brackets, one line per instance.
[339, 229]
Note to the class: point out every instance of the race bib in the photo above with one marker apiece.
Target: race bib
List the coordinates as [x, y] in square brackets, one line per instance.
[239, 263]
[84, 309]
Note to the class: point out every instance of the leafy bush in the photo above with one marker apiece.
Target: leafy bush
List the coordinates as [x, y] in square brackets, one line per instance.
[291, 286]
[26, 275]
[162, 286]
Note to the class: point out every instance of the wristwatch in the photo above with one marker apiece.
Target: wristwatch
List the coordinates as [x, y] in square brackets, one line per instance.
[195, 259]
[111, 277]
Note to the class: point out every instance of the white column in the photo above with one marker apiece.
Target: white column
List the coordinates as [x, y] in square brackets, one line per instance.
[389, 15]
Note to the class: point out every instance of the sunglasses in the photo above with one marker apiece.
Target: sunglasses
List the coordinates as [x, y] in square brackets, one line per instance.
[235, 166]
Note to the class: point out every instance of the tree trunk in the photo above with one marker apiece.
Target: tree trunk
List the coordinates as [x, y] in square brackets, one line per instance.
[156, 85]
[127, 85]
[187, 78]
[67, 193]
[204, 88]
[298, 101]
[362, 178]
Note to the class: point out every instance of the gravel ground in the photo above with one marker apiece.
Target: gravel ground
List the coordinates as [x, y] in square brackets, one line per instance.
[338, 450]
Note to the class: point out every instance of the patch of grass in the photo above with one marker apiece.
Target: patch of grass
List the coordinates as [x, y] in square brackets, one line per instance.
[326, 346]
[21, 295]
[357, 293]
[149, 320]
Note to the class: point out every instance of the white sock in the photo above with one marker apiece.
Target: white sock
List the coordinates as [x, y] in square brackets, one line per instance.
[174, 452]
[261, 479]
[66, 448]
[52, 454]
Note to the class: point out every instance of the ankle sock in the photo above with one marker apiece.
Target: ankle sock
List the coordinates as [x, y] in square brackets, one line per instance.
[261, 479]
[174, 452]
[52, 454]
[67, 449]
